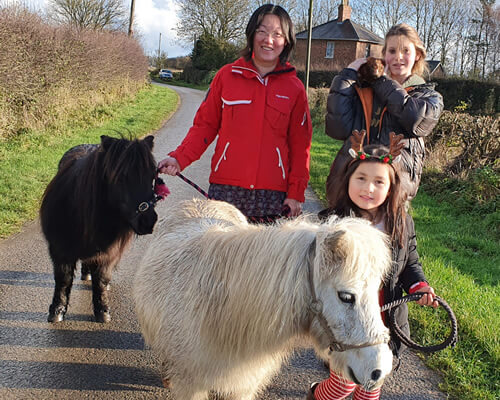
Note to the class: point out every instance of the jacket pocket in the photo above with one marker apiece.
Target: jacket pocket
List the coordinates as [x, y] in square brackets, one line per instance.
[234, 110]
[277, 113]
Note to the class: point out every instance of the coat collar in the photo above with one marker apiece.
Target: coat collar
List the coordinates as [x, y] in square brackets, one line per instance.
[248, 70]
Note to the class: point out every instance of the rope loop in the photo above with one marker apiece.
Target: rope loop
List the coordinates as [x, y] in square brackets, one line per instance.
[451, 340]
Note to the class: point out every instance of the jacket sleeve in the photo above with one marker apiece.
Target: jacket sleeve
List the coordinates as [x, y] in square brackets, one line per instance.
[412, 271]
[340, 106]
[205, 127]
[417, 112]
[299, 144]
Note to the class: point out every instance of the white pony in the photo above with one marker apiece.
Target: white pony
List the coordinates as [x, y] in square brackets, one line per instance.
[220, 300]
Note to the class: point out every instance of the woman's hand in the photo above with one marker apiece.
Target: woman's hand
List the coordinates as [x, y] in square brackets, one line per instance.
[357, 63]
[169, 166]
[428, 298]
[295, 207]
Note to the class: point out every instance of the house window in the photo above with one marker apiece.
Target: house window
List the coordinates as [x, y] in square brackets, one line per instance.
[368, 48]
[330, 46]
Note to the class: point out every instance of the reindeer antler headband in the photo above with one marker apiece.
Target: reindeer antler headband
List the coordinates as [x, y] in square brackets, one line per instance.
[356, 150]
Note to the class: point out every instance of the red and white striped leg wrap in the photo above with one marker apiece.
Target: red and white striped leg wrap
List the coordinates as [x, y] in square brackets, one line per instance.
[334, 388]
[361, 394]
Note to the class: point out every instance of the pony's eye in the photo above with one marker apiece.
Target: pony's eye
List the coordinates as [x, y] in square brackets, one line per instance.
[346, 297]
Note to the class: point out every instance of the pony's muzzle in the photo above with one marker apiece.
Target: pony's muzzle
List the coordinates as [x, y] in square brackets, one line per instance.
[145, 222]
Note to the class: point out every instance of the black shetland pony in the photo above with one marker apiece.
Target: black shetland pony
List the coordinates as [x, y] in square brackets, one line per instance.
[101, 195]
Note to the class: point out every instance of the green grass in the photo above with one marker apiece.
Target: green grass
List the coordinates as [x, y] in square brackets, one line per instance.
[460, 254]
[28, 162]
[176, 82]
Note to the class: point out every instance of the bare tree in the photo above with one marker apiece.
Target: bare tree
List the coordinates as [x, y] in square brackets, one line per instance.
[451, 16]
[323, 11]
[364, 12]
[90, 14]
[223, 19]
[490, 41]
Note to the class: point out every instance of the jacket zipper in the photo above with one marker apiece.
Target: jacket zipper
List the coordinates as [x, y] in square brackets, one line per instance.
[222, 157]
[280, 162]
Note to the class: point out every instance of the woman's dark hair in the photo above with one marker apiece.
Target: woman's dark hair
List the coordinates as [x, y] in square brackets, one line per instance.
[392, 209]
[286, 26]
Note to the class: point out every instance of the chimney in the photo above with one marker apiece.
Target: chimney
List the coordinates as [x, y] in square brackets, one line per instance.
[344, 11]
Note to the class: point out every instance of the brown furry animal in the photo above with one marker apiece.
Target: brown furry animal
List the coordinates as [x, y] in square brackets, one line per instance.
[370, 71]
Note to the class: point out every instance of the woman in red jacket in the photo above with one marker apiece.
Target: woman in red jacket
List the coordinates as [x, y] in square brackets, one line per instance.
[257, 108]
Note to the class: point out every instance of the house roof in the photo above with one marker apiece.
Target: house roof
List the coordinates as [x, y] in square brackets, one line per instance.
[346, 30]
[433, 65]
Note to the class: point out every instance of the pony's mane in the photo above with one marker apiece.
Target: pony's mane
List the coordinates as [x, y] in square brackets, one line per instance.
[273, 258]
[81, 181]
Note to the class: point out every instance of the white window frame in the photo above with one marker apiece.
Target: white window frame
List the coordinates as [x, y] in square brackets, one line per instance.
[330, 49]
[368, 50]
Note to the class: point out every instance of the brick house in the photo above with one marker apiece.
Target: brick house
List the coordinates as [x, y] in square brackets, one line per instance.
[436, 70]
[337, 43]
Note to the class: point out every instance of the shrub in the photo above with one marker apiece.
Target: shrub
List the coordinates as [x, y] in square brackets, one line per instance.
[317, 105]
[193, 75]
[462, 142]
[210, 53]
[318, 79]
[481, 97]
[48, 73]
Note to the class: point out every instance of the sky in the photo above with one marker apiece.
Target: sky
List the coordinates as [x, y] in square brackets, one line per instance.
[152, 17]
[159, 16]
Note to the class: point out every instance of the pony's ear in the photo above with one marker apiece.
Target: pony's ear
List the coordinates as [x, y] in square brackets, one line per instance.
[333, 247]
[149, 141]
[107, 141]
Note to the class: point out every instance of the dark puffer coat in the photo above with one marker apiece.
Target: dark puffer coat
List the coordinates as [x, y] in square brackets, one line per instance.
[413, 112]
[406, 270]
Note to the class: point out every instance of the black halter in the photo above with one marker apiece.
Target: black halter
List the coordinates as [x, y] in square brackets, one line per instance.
[160, 191]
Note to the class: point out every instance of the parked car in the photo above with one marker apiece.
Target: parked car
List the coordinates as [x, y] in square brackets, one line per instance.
[165, 74]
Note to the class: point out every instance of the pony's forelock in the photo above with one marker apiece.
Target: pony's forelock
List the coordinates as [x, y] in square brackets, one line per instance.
[124, 157]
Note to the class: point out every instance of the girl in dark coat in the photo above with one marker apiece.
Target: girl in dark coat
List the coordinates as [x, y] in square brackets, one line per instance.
[370, 187]
[402, 103]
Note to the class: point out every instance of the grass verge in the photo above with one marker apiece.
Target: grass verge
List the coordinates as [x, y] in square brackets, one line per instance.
[176, 82]
[460, 254]
[28, 162]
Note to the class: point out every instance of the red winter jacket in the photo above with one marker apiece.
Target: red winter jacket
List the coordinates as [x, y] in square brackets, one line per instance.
[263, 127]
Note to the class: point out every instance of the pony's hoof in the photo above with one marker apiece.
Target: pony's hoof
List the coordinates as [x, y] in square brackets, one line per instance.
[56, 317]
[86, 277]
[103, 317]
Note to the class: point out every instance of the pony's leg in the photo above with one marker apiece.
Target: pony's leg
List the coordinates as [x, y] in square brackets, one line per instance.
[86, 275]
[165, 374]
[63, 276]
[101, 275]
[186, 392]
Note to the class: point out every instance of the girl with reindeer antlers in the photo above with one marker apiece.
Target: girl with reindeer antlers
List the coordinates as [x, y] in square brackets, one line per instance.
[370, 187]
[383, 99]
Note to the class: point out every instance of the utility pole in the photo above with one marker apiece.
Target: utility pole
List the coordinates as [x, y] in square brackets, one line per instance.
[131, 21]
[308, 51]
[159, 51]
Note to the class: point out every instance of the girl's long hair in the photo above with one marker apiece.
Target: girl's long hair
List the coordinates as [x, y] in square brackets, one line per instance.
[392, 211]
[420, 67]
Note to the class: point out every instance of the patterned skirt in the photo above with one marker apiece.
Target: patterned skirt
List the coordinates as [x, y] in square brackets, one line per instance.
[259, 205]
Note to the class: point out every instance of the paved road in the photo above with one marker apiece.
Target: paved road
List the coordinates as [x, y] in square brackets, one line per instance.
[80, 359]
